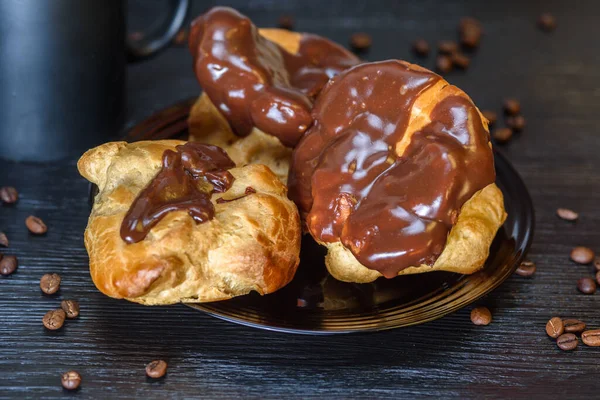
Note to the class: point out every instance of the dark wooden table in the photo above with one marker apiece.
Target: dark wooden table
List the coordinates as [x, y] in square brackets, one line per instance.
[556, 76]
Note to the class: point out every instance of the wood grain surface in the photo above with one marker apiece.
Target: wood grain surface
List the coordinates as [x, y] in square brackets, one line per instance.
[555, 76]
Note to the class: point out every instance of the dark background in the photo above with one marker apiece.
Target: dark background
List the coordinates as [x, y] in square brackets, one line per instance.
[555, 75]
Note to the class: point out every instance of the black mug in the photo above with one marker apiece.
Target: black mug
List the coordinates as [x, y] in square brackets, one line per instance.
[62, 73]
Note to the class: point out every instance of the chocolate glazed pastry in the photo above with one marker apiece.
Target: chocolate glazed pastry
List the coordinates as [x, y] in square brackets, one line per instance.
[393, 155]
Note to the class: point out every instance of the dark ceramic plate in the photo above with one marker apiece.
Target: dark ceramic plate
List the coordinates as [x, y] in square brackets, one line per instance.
[315, 303]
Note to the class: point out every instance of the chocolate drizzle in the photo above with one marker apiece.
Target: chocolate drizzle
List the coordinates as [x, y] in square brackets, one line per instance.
[391, 208]
[256, 83]
[186, 181]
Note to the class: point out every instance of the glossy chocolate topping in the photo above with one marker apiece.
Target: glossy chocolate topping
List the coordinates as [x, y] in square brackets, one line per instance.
[256, 83]
[181, 184]
[392, 207]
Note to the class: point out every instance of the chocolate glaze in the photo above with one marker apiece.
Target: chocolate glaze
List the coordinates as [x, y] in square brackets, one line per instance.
[390, 211]
[256, 83]
[178, 186]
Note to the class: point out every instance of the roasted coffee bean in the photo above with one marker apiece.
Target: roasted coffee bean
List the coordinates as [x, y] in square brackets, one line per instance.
[286, 22]
[470, 32]
[71, 308]
[517, 123]
[460, 60]
[586, 285]
[481, 316]
[573, 325]
[555, 327]
[36, 225]
[582, 255]
[567, 341]
[421, 47]
[50, 283]
[360, 41]
[491, 116]
[547, 22]
[181, 38]
[512, 106]
[447, 47]
[598, 277]
[566, 214]
[591, 338]
[156, 369]
[502, 135]
[443, 64]
[71, 380]
[527, 268]
[9, 194]
[54, 319]
[3, 239]
[8, 265]
[597, 264]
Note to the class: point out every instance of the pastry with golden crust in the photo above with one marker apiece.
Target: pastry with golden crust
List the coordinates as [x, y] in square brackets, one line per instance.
[235, 232]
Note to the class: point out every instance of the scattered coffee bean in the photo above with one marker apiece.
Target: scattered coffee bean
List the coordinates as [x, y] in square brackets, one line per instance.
[470, 32]
[156, 369]
[517, 123]
[481, 316]
[555, 327]
[36, 225]
[598, 277]
[54, 319]
[460, 60]
[502, 135]
[512, 106]
[286, 22]
[567, 341]
[582, 255]
[573, 325]
[491, 116]
[3, 239]
[447, 47]
[8, 265]
[547, 22]
[566, 214]
[70, 380]
[360, 41]
[597, 264]
[527, 268]
[586, 285]
[9, 194]
[71, 308]
[421, 47]
[443, 64]
[50, 283]
[181, 38]
[591, 338]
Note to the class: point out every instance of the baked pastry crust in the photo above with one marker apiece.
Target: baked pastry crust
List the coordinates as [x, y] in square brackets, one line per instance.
[252, 243]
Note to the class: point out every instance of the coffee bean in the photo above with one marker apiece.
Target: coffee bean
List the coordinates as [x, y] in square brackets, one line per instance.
[447, 47]
[555, 327]
[8, 265]
[156, 369]
[36, 225]
[491, 116]
[421, 47]
[598, 277]
[54, 319]
[360, 41]
[512, 106]
[566, 214]
[286, 22]
[181, 38]
[470, 32]
[573, 325]
[9, 194]
[591, 338]
[71, 308]
[567, 341]
[597, 264]
[50, 283]
[3, 239]
[582, 255]
[586, 285]
[502, 135]
[517, 123]
[460, 60]
[481, 316]
[547, 22]
[443, 64]
[527, 268]
[71, 380]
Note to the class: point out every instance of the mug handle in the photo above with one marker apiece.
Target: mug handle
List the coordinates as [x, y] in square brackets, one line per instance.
[146, 47]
